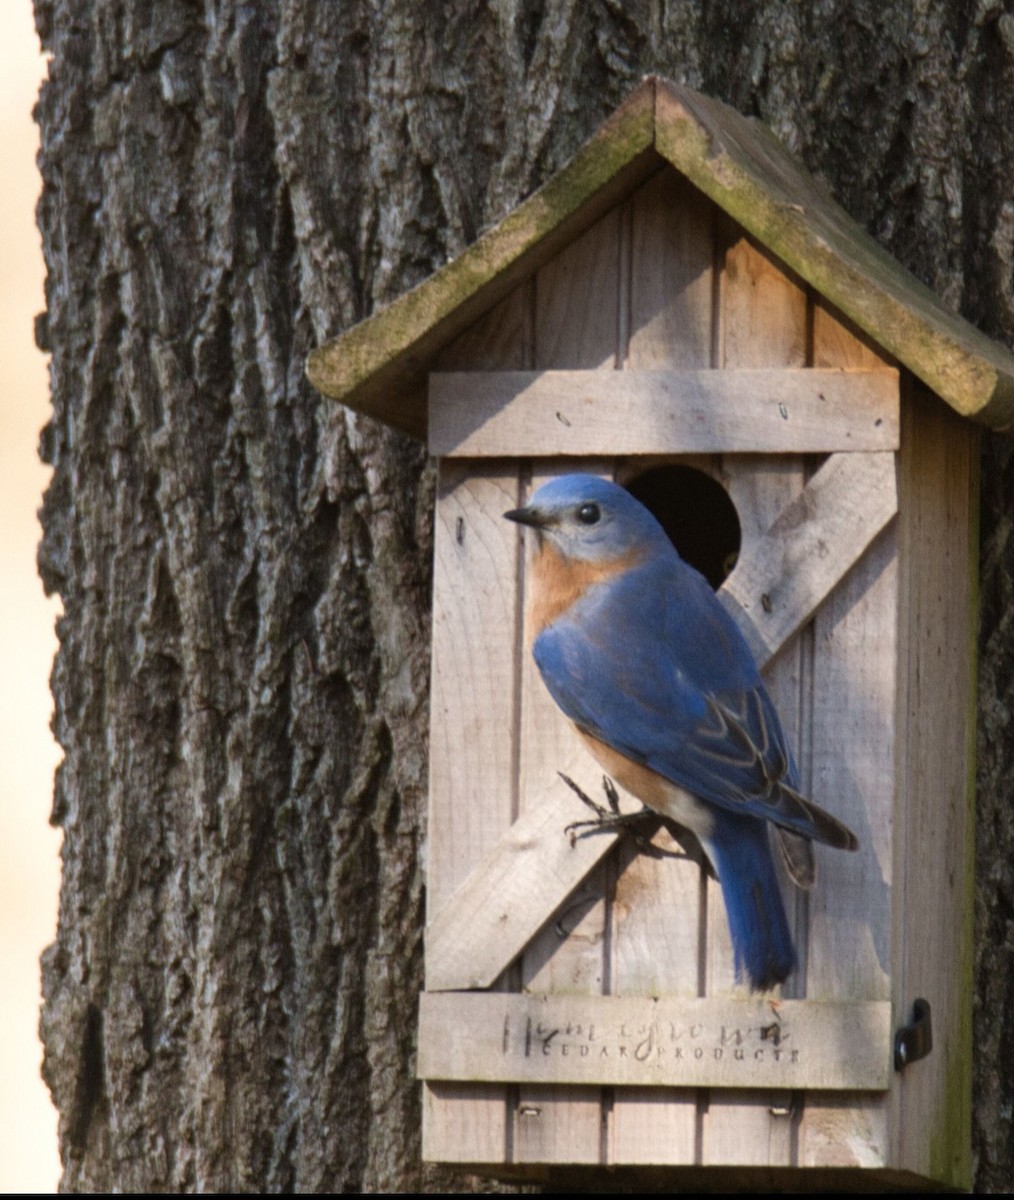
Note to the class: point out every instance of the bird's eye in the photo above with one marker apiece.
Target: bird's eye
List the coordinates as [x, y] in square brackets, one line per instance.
[589, 514]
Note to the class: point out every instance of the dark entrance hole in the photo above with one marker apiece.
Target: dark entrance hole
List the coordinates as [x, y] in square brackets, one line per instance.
[696, 513]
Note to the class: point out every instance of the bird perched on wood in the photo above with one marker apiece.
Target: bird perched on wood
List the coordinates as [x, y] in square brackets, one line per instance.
[639, 653]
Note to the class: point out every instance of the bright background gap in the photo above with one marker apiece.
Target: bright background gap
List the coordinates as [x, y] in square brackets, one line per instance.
[29, 847]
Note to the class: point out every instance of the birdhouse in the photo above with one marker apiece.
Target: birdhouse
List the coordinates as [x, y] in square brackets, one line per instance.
[683, 310]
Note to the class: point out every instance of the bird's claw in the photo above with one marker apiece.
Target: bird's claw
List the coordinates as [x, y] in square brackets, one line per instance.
[602, 814]
[609, 820]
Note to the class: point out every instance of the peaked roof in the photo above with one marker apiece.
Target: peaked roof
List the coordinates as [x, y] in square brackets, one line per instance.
[379, 366]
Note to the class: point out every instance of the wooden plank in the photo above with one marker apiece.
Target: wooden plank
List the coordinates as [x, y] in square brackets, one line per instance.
[565, 1125]
[739, 1127]
[939, 545]
[527, 413]
[496, 341]
[762, 307]
[476, 614]
[570, 333]
[853, 747]
[780, 580]
[671, 276]
[473, 727]
[656, 912]
[715, 1041]
[464, 1122]
[762, 323]
[850, 906]
[839, 343]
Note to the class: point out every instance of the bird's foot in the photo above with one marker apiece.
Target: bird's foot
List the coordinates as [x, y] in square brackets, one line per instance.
[641, 825]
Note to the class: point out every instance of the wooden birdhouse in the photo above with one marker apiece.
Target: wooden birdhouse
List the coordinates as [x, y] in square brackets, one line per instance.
[684, 310]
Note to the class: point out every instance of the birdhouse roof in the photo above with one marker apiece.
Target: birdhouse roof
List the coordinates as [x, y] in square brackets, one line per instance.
[380, 365]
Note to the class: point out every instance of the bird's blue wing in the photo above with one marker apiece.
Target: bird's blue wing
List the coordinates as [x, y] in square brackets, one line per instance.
[651, 664]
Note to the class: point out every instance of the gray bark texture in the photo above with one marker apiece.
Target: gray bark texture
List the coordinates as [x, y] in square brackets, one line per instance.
[241, 684]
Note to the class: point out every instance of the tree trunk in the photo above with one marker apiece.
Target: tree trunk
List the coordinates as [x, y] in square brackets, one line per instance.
[244, 568]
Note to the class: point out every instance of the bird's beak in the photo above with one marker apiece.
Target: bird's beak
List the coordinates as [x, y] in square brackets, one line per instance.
[534, 517]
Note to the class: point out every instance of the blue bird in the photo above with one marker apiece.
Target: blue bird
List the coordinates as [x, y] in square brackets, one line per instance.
[639, 653]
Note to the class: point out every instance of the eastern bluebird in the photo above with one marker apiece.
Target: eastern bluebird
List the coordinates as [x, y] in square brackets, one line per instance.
[638, 652]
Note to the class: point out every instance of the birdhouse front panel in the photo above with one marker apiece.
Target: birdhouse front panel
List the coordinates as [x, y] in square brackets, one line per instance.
[658, 348]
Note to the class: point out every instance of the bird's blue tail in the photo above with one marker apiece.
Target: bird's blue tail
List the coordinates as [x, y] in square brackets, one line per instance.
[761, 942]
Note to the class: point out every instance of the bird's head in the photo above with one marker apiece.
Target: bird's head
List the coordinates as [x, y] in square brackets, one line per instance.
[584, 517]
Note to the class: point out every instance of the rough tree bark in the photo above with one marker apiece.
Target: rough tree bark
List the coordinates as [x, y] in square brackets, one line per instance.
[244, 569]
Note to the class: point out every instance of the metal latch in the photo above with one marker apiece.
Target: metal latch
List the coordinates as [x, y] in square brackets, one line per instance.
[914, 1041]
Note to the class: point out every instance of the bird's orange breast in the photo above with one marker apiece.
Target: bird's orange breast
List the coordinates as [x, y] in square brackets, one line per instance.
[558, 582]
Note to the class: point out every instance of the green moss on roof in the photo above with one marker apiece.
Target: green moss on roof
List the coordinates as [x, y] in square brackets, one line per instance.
[380, 365]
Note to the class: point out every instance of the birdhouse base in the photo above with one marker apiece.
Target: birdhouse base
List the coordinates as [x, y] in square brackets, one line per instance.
[709, 1180]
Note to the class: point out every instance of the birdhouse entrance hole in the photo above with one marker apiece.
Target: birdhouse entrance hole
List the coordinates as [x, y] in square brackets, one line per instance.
[697, 514]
